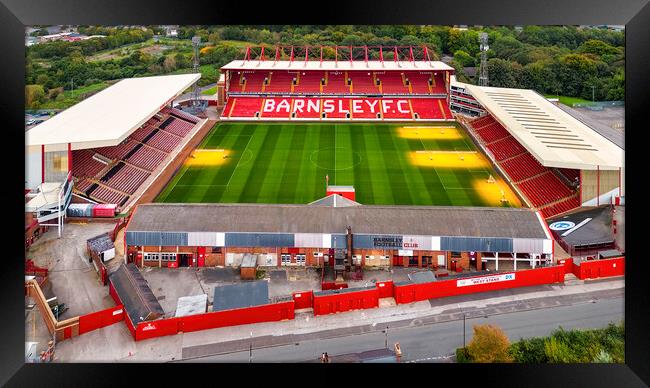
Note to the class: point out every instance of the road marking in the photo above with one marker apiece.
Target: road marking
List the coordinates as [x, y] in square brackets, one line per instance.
[431, 358]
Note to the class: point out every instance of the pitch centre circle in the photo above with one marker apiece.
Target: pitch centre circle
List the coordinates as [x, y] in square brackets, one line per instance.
[330, 158]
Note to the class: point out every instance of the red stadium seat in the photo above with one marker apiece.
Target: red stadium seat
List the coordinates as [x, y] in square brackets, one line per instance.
[280, 82]
[506, 148]
[246, 107]
[83, 164]
[392, 83]
[362, 82]
[309, 82]
[336, 83]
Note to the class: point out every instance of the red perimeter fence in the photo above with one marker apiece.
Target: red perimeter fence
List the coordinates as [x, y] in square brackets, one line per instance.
[593, 269]
[346, 301]
[92, 321]
[408, 293]
[265, 313]
[362, 299]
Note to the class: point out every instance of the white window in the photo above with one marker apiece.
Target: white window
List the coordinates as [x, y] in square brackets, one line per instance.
[151, 257]
[168, 257]
[300, 259]
[286, 259]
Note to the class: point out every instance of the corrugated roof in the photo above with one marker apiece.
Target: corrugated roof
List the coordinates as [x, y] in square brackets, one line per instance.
[108, 117]
[101, 243]
[553, 136]
[241, 295]
[400, 220]
[139, 301]
[334, 65]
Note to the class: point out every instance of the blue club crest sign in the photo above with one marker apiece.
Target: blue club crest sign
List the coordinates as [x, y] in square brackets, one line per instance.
[562, 225]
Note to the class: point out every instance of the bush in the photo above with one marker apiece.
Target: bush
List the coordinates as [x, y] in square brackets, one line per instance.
[605, 345]
[260, 274]
[490, 344]
[462, 356]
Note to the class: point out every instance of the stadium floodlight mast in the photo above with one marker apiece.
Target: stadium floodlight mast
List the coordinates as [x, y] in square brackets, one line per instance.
[196, 40]
[483, 75]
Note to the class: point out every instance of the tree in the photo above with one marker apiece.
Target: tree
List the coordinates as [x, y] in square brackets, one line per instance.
[352, 40]
[410, 40]
[507, 47]
[557, 351]
[489, 344]
[169, 64]
[504, 73]
[598, 47]
[232, 33]
[464, 59]
[34, 95]
[573, 71]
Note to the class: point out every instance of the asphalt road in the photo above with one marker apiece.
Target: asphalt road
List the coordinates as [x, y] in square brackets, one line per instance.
[436, 342]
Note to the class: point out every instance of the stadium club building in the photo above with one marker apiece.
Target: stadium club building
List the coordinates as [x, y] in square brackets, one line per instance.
[197, 235]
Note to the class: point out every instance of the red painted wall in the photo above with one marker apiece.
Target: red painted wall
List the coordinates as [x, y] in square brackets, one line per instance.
[99, 319]
[567, 263]
[264, 313]
[332, 285]
[303, 300]
[594, 269]
[329, 304]
[385, 289]
[157, 328]
[416, 292]
[346, 194]
[211, 320]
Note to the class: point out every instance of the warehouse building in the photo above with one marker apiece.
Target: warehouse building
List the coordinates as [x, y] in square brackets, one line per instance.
[173, 235]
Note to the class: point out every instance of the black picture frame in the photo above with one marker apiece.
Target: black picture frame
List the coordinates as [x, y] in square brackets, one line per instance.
[16, 14]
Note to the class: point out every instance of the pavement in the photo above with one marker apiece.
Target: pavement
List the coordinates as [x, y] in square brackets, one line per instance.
[72, 278]
[114, 343]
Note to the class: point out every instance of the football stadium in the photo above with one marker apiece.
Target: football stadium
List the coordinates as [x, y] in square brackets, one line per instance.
[347, 165]
[296, 130]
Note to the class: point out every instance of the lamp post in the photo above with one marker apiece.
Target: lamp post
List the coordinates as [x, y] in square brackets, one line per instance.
[593, 93]
[386, 337]
[464, 330]
[250, 350]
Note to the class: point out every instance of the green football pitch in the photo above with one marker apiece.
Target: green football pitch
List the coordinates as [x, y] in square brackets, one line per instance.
[388, 164]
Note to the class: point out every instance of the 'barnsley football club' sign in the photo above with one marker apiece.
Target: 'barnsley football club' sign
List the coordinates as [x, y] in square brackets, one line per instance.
[394, 242]
[340, 106]
[485, 280]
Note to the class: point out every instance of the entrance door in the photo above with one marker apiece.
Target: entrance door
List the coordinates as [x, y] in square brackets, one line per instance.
[184, 260]
[201, 257]
[472, 261]
[397, 261]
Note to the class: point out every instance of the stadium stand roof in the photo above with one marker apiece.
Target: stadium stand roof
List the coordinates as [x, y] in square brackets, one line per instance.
[336, 65]
[404, 220]
[553, 136]
[108, 117]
